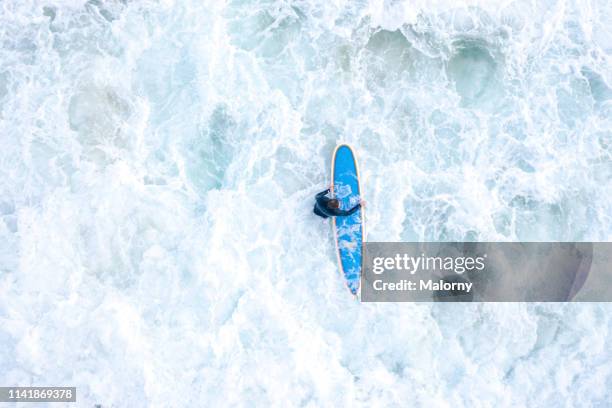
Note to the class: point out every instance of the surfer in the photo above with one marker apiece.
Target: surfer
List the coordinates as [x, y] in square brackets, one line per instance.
[330, 207]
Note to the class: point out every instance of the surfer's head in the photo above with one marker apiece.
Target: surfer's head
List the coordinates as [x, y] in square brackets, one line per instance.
[333, 203]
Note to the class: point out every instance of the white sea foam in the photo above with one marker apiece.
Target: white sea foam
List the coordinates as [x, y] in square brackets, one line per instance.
[158, 161]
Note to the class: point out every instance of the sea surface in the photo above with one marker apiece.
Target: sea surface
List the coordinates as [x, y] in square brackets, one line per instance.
[158, 162]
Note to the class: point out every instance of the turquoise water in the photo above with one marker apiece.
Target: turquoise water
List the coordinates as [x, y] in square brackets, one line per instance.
[158, 161]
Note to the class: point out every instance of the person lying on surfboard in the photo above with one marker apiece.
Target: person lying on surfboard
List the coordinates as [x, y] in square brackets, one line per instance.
[330, 207]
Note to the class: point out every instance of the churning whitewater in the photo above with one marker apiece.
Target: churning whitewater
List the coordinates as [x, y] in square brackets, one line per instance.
[158, 161]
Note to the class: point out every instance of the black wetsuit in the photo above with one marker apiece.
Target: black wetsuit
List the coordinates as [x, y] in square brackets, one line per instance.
[322, 210]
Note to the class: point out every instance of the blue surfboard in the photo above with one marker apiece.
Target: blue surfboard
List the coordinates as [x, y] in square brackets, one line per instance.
[349, 231]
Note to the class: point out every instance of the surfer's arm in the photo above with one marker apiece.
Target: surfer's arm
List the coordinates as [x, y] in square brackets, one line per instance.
[345, 213]
[322, 193]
